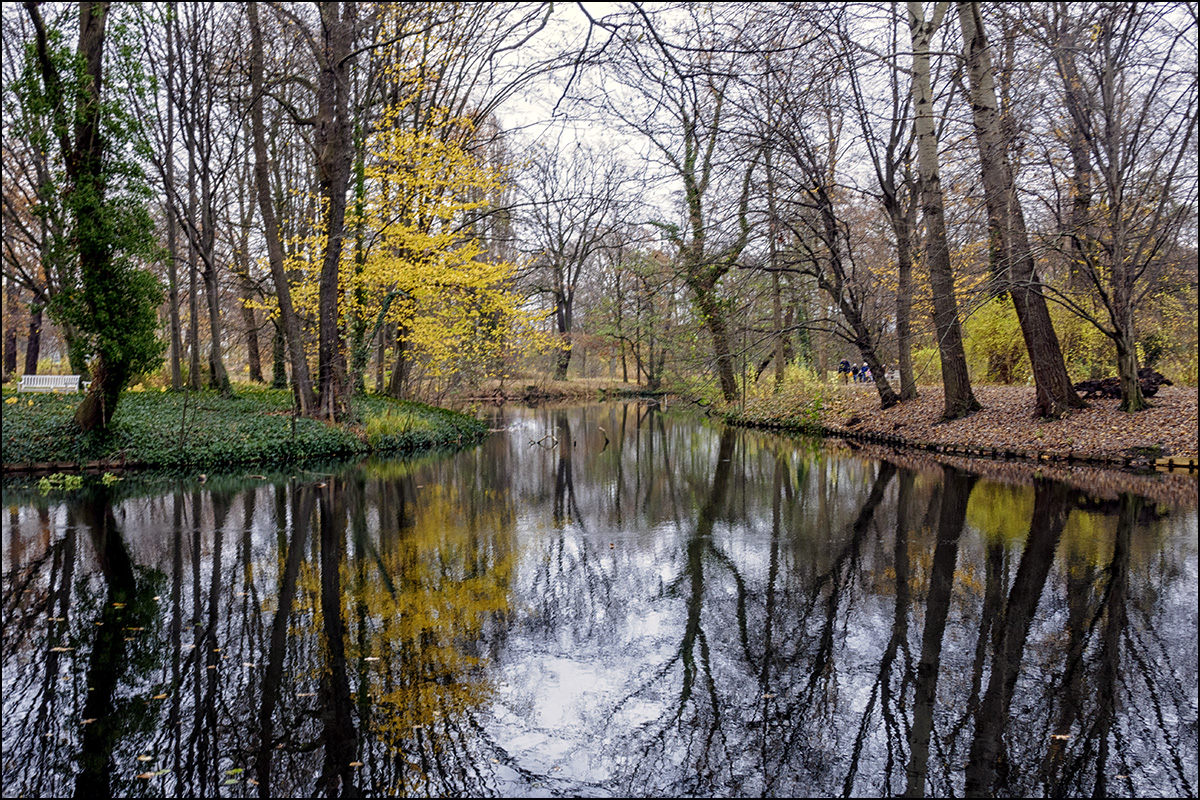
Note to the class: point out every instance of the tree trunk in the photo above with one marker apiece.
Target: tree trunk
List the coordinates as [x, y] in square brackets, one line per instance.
[709, 305]
[33, 343]
[194, 382]
[108, 377]
[218, 378]
[278, 358]
[903, 223]
[398, 384]
[1010, 253]
[301, 379]
[172, 240]
[250, 323]
[956, 381]
[335, 155]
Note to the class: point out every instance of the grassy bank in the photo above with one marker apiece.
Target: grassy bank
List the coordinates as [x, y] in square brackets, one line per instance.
[203, 429]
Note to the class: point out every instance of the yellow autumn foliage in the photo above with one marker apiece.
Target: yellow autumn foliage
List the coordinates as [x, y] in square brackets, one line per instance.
[411, 251]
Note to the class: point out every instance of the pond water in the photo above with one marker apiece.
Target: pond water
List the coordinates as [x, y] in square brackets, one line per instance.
[600, 600]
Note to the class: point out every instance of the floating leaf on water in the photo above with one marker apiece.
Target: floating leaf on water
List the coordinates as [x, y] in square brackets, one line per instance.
[147, 775]
[768, 696]
[212, 666]
[58, 619]
[230, 782]
[158, 597]
[88, 721]
[356, 763]
[135, 629]
[145, 758]
[118, 605]
[163, 771]
[162, 696]
[371, 658]
[251, 781]
[306, 694]
[249, 664]
[234, 771]
[1061, 736]
[61, 649]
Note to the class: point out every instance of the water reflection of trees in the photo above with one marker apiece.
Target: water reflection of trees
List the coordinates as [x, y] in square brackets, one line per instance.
[780, 621]
[321, 636]
[869, 639]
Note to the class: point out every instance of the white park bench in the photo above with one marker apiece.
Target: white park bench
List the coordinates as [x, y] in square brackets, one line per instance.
[51, 383]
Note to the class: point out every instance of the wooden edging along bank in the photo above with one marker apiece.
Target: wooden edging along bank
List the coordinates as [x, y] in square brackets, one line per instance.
[1169, 464]
[106, 465]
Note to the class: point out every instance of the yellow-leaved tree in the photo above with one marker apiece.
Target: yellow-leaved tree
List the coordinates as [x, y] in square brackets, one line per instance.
[416, 264]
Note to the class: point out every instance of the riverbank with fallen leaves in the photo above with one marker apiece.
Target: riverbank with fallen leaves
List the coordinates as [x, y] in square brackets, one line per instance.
[1005, 425]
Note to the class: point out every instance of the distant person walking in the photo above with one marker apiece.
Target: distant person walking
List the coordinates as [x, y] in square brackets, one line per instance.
[844, 370]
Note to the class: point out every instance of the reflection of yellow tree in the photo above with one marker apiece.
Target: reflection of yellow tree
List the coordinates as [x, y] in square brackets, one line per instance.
[426, 605]
[420, 605]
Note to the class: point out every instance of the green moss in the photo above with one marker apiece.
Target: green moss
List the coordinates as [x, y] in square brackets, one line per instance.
[203, 429]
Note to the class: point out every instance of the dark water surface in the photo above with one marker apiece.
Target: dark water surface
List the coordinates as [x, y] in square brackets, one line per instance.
[640, 603]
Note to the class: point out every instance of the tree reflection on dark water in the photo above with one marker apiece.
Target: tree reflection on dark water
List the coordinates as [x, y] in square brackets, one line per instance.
[638, 604]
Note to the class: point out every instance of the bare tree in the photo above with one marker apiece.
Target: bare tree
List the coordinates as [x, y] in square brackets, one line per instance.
[676, 96]
[891, 158]
[574, 202]
[959, 399]
[1009, 242]
[1128, 80]
[805, 134]
[301, 377]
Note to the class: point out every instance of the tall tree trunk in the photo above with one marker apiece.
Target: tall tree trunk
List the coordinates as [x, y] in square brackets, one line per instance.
[301, 377]
[956, 381]
[335, 155]
[194, 382]
[218, 378]
[242, 263]
[903, 224]
[109, 376]
[1010, 253]
[773, 238]
[176, 349]
[250, 323]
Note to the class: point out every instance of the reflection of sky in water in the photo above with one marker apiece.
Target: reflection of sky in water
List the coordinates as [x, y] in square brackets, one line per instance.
[679, 611]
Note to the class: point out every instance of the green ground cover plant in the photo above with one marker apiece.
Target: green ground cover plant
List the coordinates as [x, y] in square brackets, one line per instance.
[204, 429]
